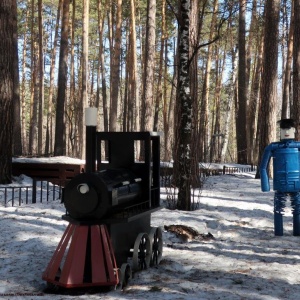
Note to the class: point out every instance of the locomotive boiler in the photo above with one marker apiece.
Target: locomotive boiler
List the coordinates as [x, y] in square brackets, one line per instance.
[94, 195]
[109, 209]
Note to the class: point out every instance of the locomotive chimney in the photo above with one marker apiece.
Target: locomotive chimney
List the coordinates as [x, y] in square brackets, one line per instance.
[91, 126]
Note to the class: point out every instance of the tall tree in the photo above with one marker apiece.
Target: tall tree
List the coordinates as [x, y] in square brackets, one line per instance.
[60, 144]
[101, 71]
[23, 83]
[217, 136]
[269, 76]
[115, 70]
[204, 118]
[296, 67]
[288, 67]
[255, 100]
[49, 130]
[252, 99]
[84, 87]
[17, 136]
[133, 72]
[229, 103]
[7, 57]
[168, 116]
[73, 127]
[184, 104]
[169, 112]
[241, 122]
[41, 78]
[149, 63]
[34, 83]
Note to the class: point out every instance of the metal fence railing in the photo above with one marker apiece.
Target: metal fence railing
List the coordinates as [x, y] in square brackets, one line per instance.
[167, 173]
[244, 169]
[40, 191]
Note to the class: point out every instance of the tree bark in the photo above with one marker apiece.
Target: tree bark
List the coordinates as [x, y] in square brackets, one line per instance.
[41, 78]
[33, 86]
[251, 65]
[72, 126]
[23, 86]
[7, 57]
[84, 88]
[241, 133]
[49, 139]
[269, 76]
[288, 69]
[102, 72]
[296, 67]
[17, 136]
[217, 135]
[229, 105]
[60, 142]
[115, 70]
[255, 102]
[133, 75]
[184, 139]
[204, 119]
[149, 64]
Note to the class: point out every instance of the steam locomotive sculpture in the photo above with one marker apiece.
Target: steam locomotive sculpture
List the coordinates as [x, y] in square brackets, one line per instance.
[109, 211]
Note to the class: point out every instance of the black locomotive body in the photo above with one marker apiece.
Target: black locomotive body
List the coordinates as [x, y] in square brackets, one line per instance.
[95, 195]
[117, 194]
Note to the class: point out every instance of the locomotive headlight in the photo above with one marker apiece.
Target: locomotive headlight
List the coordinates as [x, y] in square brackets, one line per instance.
[83, 188]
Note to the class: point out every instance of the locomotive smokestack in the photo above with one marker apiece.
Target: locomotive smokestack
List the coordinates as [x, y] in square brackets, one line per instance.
[91, 126]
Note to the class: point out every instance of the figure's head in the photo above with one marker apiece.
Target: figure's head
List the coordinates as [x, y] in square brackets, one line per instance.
[287, 129]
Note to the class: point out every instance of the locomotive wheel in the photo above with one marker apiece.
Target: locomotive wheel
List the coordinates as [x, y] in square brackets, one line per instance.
[125, 275]
[156, 241]
[141, 252]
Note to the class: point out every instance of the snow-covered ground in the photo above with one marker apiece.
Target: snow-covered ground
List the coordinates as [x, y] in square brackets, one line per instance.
[243, 260]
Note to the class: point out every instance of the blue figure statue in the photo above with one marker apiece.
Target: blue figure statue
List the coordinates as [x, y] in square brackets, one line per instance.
[286, 175]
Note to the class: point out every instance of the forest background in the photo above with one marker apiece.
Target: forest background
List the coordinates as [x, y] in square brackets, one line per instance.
[213, 75]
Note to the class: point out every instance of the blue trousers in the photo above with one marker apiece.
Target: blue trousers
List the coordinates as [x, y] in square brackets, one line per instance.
[279, 205]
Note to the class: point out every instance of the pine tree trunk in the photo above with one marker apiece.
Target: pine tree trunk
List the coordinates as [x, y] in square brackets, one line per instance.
[115, 70]
[296, 67]
[288, 69]
[72, 127]
[102, 68]
[60, 143]
[159, 92]
[7, 57]
[170, 128]
[41, 79]
[241, 133]
[217, 135]
[229, 104]
[252, 102]
[33, 102]
[269, 76]
[49, 135]
[204, 111]
[84, 88]
[17, 135]
[133, 79]
[149, 64]
[23, 87]
[34, 87]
